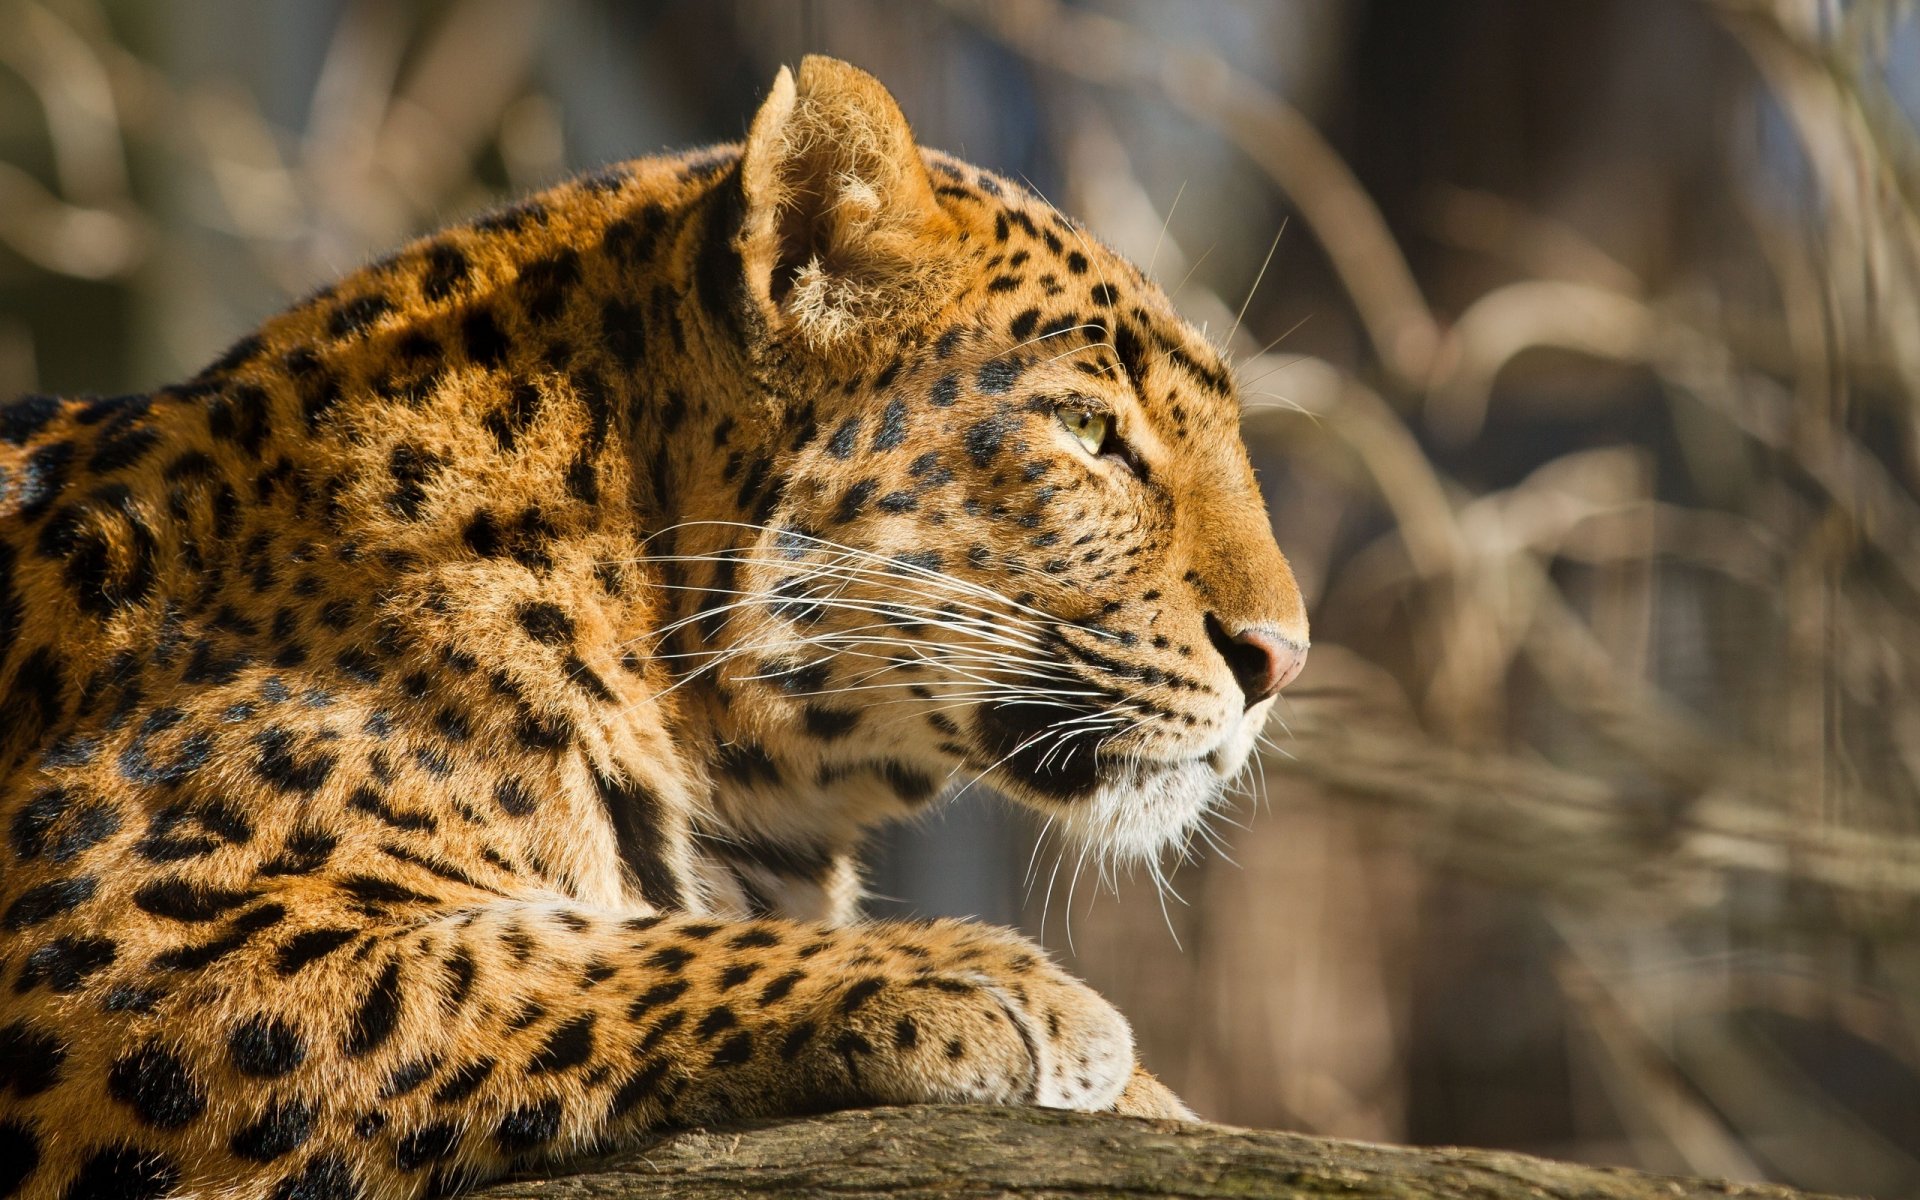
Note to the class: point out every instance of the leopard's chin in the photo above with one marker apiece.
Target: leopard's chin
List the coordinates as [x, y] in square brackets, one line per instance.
[1131, 809]
[1143, 813]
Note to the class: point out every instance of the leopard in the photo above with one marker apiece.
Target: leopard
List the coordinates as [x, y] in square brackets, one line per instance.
[440, 737]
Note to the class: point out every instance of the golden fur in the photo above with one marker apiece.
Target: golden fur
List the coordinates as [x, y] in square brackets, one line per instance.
[438, 735]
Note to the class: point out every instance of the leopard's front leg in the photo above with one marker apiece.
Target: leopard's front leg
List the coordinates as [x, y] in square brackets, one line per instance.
[901, 1014]
[390, 1049]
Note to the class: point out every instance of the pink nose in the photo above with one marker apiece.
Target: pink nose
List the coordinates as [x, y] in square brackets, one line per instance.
[1262, 660]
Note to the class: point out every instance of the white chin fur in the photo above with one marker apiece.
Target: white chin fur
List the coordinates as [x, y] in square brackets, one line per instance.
[1139, 817]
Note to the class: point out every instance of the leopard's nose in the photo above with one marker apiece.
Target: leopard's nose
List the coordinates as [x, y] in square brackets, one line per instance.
[1262, 659]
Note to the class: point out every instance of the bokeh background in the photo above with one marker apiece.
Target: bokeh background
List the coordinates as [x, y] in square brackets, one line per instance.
[1584, 379]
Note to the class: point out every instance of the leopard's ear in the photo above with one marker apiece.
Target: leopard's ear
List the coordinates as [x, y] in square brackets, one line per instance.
[841, 231]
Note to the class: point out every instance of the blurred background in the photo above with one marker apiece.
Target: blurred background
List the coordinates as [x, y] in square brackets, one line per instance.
[1584, 381]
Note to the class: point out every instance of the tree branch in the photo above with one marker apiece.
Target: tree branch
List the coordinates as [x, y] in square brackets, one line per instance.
[951, 1152]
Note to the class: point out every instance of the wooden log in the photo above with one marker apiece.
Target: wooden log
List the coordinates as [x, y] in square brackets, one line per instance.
[956, 1152]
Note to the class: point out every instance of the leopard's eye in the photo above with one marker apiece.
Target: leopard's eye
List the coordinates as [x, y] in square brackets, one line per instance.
[1092, 428]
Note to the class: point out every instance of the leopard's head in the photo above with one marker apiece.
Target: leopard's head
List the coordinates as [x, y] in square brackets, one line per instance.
[999, 523]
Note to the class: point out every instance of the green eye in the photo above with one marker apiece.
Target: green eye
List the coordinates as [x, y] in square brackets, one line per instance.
[1091, 428]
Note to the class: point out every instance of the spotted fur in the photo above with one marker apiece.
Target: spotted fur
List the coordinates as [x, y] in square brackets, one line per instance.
[436, 737]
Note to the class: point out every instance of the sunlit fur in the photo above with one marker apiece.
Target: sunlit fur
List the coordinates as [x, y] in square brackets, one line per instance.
[439, 736]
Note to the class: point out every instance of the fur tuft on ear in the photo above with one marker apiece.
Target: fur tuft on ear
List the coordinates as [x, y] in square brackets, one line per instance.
[842, 231]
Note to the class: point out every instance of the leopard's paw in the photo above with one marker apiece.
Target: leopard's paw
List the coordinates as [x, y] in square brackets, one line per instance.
[995, 1022]
[1145, 1096]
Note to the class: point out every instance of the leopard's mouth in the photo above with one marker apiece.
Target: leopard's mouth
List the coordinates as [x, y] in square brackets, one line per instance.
[1057, 759]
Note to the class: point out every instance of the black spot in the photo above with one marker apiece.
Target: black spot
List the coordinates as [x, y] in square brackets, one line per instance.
[482, 338]
[778, 987]
[464, 1081]
[210, 664]
[623, 330]
[460, 974]
[796, 1040]
[372, 891]
[310, 945]
[409, 1076]
[279, 1131]
[265, 1047]
[630, 240]
[735, 1050]
[1022, 325]
[905, 1033]
[587, 679]
[306, 851]
[29, 1060]
[37, 696]
[376, 1015]
[157, 1086]
[48, 900]
[514, 797]
[429, 1143]
[716, 1021]
[244, 926]
[542, 731]
[854, 501]
[893, 425]
[412, 469]
[637, 814]
[240, 417]
[985, 437]
[122, 449]
[655, 996]
[567, 1046]
[639, 1086]
[356, 314]
[452, 724]
[670, 958]
[719, 275]
[528, 1127]
[512, 419]
[924, 560]
[19, 1155]
[859, 993]
[583, 481]
[64, 963]
[841, 444]
[183, 900]
[317, 388]
[738, 974]
[278, 765]
[830, 724]
[22, 418]
[122, 1172]
[544, 284]
[359, 665]
[41, 479]
[662, 1028]
[911, 786]
[445, 269]
[997, 377]
[546, 623]
[325, 1177]
[748, 762]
